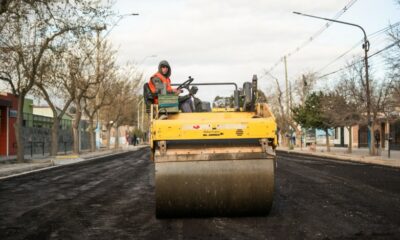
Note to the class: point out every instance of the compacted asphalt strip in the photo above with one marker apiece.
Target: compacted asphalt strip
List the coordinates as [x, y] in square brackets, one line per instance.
[113, 198]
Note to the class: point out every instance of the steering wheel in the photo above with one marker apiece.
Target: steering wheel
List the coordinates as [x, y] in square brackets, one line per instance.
[186, 83]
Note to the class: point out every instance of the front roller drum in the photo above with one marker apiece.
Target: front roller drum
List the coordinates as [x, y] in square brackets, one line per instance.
[214, 188]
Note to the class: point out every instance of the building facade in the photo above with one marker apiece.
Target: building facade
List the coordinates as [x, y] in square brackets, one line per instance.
[8, 116]
[361, 135]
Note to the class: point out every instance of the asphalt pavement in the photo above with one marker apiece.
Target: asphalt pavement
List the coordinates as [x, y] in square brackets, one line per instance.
[361, 155]
[113, 198]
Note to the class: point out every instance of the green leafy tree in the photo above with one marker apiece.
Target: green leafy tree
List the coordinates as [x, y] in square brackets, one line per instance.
[311, 115]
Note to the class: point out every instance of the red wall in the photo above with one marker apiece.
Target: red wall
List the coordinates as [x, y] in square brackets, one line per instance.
[3, 126]
[3, 131]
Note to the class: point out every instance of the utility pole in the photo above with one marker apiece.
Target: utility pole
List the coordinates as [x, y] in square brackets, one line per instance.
[290, 99]
[287, 102]
[287, 86]
[371, 128]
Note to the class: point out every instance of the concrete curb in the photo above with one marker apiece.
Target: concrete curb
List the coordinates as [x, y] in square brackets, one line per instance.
[363, 160]
[29, 169]
[22, 169]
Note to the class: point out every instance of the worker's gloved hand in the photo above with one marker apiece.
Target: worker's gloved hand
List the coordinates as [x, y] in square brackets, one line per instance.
[193, 90]
[177, 91]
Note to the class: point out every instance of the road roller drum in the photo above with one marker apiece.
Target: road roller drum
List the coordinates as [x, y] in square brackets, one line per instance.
[214, 188]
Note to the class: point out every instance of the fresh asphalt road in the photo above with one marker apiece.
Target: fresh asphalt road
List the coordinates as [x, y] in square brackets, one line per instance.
[113, 198]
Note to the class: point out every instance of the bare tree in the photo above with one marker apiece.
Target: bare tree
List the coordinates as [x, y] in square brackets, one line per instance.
[123, 92]
[338, 109]
[393, 61]
[9, 6]
[4, 6]
[353, 86]
[29, 30]
[112, 114]
[82, 78]
[50, 87]
[105, 71]
[302, 88]
[304, 85]
[275, 100]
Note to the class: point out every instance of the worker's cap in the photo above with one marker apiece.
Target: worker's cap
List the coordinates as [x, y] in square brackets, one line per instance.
[164, 63]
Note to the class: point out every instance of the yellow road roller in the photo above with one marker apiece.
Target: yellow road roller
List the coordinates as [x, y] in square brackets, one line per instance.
[213, 163]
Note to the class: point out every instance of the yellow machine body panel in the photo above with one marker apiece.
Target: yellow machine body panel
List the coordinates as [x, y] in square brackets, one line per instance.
[213, 125]
[227, 109]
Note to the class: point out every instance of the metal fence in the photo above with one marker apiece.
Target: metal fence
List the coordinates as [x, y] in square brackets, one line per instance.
[36, 133]
[32, 120]
[37, 140]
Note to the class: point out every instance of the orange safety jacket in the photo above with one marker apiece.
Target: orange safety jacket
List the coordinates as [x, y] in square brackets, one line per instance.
[153, 89]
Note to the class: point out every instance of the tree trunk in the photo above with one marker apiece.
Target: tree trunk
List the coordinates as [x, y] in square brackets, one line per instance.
[284, 139]
[75, 134]
[108, 137]
[298, 138]
[372, 139]
[92, 136]
[117, 138]
[75, 129]
[18, 128]
[350, 146]
[328, 147]
[54, 136]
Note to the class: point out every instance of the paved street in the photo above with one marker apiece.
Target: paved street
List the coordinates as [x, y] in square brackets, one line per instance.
[113, 198]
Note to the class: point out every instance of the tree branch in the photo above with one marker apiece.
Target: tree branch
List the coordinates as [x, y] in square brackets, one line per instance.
[9, 80]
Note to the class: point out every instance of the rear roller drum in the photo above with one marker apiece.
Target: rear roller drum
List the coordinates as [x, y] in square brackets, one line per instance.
[214, 188]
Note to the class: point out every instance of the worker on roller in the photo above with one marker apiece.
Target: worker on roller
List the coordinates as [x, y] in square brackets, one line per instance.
[160, 83]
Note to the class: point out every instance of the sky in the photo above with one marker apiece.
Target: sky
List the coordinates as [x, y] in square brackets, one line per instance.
[220, 41]
[229, 41]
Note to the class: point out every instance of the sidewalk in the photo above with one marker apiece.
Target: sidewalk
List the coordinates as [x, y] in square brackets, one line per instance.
[9, 168]
[358, 155]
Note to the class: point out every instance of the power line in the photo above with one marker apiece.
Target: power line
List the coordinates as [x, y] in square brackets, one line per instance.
[370, 56]
[375, 34]
[384, 49]
[315, 35]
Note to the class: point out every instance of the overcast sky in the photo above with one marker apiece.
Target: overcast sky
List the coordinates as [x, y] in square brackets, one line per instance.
[232, 40]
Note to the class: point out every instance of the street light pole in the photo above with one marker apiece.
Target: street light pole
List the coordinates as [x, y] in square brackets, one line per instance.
[142, 61]
[119, 19]
[149, 56]
[104, 27]
[365, 46]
